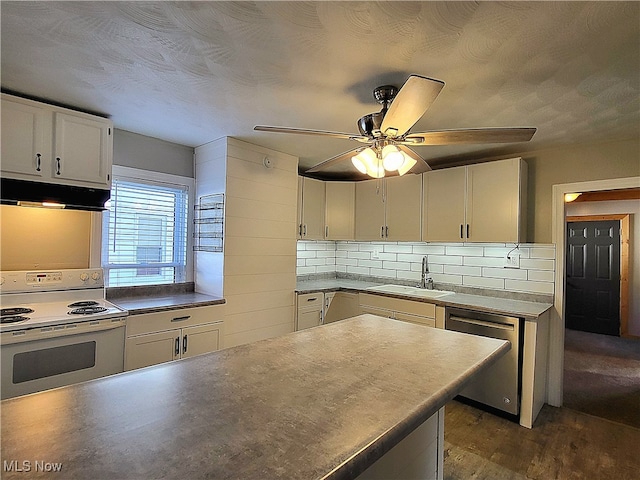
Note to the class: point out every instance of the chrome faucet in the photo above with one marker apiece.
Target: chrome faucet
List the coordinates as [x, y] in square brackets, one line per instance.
[426, 280]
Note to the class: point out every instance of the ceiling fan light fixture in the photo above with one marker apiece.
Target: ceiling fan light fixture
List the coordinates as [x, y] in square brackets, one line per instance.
[392, 158]
[407, 165]
[359, 164]
[376, 171]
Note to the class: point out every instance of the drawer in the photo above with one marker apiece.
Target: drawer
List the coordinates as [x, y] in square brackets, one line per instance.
[398, 305]
[172, 319]
[310, 301]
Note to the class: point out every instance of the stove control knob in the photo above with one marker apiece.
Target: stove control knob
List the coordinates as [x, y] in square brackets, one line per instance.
[95, 276]
[84, 277]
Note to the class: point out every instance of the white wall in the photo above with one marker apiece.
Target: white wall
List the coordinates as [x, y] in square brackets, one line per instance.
[259, 238]
[631, 207]
[467, 265]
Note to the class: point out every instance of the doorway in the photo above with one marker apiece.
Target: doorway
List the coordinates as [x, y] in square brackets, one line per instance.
[593, 275]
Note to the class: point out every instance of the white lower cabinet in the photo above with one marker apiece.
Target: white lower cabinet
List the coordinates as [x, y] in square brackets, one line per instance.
[310, 310]
[406, 310]
[318, 308]
[160, 337]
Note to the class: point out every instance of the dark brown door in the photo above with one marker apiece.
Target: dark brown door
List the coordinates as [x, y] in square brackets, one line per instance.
[593, 277]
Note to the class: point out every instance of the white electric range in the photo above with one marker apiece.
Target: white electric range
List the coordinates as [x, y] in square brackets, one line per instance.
[56, 328]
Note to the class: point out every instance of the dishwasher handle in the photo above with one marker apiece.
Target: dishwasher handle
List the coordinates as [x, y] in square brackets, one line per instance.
[483, 323]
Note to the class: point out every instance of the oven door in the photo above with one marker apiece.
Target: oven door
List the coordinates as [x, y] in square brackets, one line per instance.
[41, 359]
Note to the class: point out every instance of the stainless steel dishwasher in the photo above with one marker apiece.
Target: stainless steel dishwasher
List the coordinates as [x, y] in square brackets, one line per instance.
[499, 386]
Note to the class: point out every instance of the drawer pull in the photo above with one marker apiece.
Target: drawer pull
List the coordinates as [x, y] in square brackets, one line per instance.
[181, 319]
[312, 299]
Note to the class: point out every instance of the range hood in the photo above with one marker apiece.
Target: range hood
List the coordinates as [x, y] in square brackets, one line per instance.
[13, 192]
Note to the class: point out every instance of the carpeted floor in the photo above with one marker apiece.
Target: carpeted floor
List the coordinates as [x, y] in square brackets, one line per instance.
[602, 376]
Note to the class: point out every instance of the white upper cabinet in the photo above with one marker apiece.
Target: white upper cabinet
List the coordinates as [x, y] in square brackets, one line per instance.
[56, 145]
[478, 203]
[311, 206]
[82, 148]
[340, 210]
[23, 141]
[389, 209]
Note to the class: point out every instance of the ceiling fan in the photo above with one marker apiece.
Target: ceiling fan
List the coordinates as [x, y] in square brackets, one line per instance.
[386, 137]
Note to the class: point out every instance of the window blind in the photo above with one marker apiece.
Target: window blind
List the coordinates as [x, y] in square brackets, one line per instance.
[145, 233]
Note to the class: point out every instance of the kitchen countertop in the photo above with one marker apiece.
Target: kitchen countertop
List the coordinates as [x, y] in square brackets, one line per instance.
[138, 304]
[483, 303]
[321, 403]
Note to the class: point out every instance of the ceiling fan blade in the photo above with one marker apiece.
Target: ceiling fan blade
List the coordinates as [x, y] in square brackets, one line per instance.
[470, 135]
[422, 165]
[305, 131]
[412, 101]
[332, 161]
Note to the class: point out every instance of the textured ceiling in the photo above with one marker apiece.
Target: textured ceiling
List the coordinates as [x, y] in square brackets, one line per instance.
[192, 72]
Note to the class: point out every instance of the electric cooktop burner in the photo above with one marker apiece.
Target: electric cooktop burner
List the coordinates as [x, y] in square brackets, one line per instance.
[86, 303]
[11, 312]
[13, 318]
[87, 310]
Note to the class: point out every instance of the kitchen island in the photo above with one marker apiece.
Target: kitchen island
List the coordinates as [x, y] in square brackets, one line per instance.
[327, 402]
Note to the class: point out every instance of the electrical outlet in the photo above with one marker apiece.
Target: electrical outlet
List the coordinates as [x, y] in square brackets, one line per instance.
[512, 261]
[376, 252]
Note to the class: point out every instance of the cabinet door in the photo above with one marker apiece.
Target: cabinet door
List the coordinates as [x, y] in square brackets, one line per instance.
[200, 339]
[313, 209]
[82, 149]
[370, 210]
[23, 139]
[494, 201]
[309, 318]
[340, 210]
[344, 305]
[299, 210]
[151, 349]
[444, 205]
[404, 208]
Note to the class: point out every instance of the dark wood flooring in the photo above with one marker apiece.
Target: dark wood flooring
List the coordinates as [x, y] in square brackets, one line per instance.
[563, 444]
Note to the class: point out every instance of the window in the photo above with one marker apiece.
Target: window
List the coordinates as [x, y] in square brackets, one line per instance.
[144, 232]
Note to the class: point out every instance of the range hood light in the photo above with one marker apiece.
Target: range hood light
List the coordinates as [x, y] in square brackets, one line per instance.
[23, 203]
[53, 205]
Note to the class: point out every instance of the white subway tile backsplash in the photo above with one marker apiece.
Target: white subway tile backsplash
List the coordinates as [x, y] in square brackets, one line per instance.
[465, 251]
[529, 286]
[444, 278]
[482, 282]
[444, 260]
[396, 248]
[514, 273]
[473, 265]
[541, 275]
[425, 249]
[483, 261]
[462, 270]
[537, 264]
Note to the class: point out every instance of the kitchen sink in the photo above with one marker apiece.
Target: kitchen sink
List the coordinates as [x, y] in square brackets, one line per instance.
[410, 291]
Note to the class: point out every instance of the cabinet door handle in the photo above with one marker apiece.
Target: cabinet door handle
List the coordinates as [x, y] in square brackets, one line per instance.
[181, 319]
[386, 231]
[58, 166]
[184, 344]
[305, 230]
[300, 230]
[461, 231]
[467, 230]
[326, 231]
[382, 231]
[38, 161]
[177, 346]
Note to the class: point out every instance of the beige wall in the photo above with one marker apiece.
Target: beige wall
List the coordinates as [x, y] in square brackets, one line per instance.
[575, 163]
[44, 238]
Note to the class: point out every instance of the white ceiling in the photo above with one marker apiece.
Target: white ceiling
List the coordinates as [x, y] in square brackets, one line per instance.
[193, 72]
